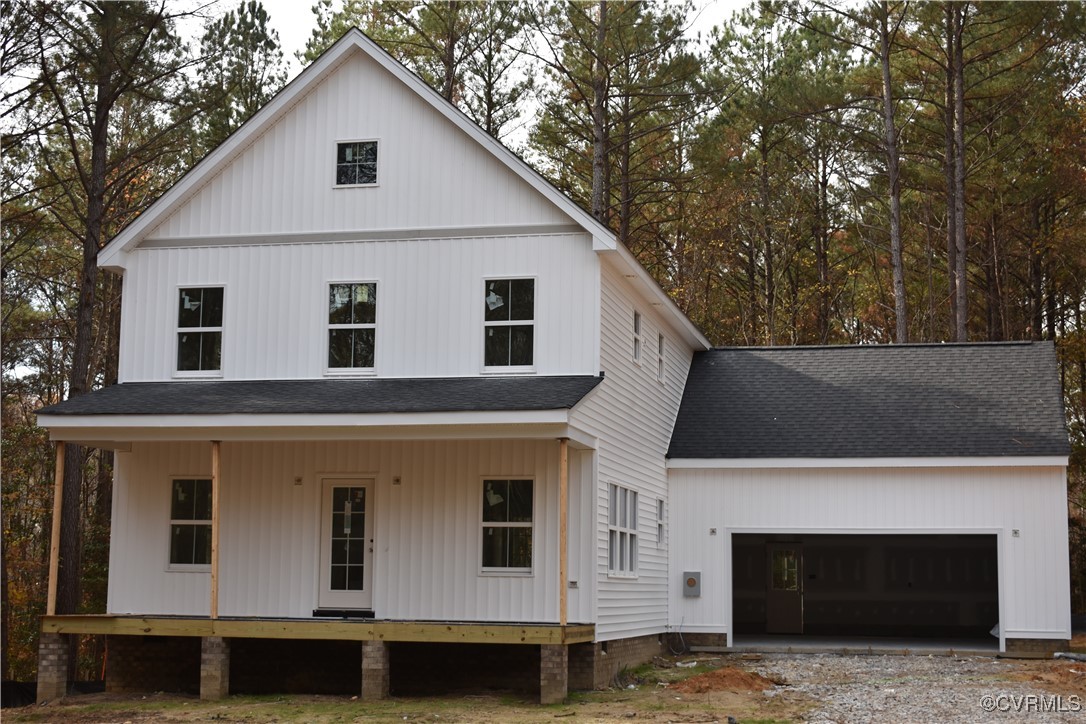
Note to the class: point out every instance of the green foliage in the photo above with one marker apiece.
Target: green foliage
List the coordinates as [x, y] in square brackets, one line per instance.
[243, 68]
[469, 52]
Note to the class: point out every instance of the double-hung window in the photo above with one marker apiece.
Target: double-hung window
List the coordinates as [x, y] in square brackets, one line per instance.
[199, 330]
[637, 337]
[356, 163]
[352, 326]
[622, 531]
[509, 323]
[190, 522]
[507, 526]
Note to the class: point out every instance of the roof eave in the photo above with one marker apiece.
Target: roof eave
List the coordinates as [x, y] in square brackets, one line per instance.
[946, 461]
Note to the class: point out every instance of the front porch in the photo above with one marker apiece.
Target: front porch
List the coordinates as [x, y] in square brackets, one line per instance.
[218, 636]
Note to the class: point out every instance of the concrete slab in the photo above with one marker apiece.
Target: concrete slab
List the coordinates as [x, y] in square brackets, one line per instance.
[856, 645]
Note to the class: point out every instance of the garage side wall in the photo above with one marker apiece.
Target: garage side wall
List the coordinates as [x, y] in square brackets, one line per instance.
[1034, 567]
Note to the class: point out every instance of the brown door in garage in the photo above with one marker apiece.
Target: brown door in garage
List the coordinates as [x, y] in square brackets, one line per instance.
[784, 588]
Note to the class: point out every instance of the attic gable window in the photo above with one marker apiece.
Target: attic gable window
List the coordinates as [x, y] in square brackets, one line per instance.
[199, 330]
[509, 326]
[356, 163]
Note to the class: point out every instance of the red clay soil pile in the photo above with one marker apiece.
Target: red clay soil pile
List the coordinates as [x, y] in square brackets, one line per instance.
[727, 678]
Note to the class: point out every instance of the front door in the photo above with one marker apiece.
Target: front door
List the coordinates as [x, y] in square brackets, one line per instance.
[784, 588]
[346, 544]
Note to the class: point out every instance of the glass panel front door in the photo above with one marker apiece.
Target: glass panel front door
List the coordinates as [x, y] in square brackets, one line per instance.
[346, 544]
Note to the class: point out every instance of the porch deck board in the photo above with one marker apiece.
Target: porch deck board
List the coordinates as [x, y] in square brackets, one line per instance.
[337, 630]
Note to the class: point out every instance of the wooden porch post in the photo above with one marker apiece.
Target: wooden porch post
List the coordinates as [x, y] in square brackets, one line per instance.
[563, 531]
[54, 541]
[215, 528]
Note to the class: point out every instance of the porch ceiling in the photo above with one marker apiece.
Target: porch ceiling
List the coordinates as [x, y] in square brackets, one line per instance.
[338, 629]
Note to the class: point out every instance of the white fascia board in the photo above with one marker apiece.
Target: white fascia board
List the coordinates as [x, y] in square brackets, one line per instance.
[631, 268]
[900, 462]
[56, 423]
[113, 254]
[120, 433]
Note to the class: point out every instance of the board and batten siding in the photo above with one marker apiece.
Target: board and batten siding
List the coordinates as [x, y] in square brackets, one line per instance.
[430, 173]
[427, 538]
[429, 304]
[632, 414]
[1034, 583]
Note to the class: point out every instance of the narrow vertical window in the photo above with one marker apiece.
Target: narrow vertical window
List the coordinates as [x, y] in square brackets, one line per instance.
[660, 522]
[637, 337]
[660, 357]
[352, 326]
[199, 329]
[356, 163]
[509, 322]
[507, 525]
[622, 531]
[190, 522]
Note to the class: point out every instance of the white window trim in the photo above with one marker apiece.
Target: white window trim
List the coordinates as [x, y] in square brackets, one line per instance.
[506, 572]
[638, 351]
[661, 356]
[335, 162]
[198, 374]
[511, 369]
[170, 522]
[350, 371]
[616, 529]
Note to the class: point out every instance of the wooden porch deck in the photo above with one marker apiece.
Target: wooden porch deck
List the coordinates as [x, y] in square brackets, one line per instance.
[318, 629]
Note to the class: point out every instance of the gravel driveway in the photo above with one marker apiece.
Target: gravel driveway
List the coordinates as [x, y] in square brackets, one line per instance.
[931, 688]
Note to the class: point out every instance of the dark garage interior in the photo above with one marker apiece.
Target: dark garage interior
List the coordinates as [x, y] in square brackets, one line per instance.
[937, 586]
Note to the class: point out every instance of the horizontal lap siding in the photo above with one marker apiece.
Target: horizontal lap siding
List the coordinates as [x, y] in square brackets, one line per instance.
[1031, 499]
[429, 304]
[427, 536]
[430, 173]
[633, 414]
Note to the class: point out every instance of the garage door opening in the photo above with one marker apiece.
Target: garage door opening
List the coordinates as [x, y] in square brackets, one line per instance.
[900, 586]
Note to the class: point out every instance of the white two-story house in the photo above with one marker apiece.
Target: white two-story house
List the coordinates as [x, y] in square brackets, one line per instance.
[383, 386]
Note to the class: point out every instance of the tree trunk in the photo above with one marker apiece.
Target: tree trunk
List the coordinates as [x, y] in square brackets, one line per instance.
[625, 204]
[448, 58]
[599, 119]
[948, 172]
[1036, 250]
[822, 261]
[901, 331]
[767, 242]
[961, 328]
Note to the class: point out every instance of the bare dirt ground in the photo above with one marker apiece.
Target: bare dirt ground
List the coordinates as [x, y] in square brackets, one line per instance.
[704, 688]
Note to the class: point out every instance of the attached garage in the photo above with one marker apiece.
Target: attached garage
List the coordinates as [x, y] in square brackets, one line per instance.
[898, 585]
[911, 491]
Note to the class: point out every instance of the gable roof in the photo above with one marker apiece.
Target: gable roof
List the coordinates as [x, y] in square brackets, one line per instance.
[886, 401]
[603, 239]
[353, 40]
[330, 396]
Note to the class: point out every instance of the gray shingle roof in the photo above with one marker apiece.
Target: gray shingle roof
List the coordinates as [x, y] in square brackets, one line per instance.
[872, 401]
[459, 394]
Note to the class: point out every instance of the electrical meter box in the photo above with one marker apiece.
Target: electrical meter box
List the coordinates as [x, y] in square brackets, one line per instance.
[691, 584]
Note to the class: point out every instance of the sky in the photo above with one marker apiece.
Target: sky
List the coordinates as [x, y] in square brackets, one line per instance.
[294, 21]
